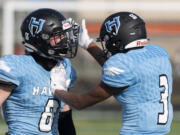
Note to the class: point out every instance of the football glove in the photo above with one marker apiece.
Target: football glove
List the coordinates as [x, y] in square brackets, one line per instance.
[84, 39]
[58, 78]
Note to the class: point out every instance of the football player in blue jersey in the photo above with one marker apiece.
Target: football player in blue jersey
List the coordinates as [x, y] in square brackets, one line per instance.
[138, 74]
[27, 82]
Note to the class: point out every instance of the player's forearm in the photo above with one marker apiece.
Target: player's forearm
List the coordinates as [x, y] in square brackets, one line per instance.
[72, 99]
[97, 53]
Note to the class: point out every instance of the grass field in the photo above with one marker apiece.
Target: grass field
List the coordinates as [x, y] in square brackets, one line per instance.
[102, 123]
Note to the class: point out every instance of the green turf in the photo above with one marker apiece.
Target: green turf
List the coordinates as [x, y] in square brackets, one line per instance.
[97, 127]
[175, 128]
[3, 127]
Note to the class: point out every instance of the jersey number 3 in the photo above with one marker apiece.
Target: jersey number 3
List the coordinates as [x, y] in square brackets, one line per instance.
[163, 116]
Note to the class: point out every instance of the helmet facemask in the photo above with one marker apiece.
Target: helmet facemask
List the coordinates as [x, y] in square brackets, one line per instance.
[64, 44]
[110, 47]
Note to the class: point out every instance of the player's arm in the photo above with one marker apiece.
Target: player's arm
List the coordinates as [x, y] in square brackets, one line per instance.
[83, 100]
[87, 43]
[97, 53]
[5, 90]
[65, 122]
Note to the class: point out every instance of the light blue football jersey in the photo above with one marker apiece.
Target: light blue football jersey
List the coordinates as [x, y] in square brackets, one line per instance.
[31, 109]
[146, 103]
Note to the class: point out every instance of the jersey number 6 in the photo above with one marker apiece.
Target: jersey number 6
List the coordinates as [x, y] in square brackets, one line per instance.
[47, 117]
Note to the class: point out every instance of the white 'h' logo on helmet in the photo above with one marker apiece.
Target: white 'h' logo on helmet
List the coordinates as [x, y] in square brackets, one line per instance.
[116, 23]
[37, 24]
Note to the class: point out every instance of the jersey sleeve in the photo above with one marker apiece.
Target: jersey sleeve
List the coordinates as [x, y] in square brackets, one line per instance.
[118, 72]
[62, 104]
[70, 74]
[8, 70]
[72, 77]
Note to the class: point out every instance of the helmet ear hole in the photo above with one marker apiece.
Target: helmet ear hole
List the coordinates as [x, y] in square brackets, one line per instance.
[45, 36]
[106, 38]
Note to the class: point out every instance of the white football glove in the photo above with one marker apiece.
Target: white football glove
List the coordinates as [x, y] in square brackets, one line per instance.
[84, 39]
[58, 78]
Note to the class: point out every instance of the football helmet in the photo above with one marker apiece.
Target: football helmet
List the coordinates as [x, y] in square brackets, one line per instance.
[42, 26]
[120, 29]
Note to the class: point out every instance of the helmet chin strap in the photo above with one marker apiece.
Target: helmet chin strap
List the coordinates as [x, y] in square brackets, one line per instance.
[137, 43]
[49, 57]
[31, 49]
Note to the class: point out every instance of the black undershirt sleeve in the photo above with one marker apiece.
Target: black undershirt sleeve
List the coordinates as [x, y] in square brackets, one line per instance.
[65, 123]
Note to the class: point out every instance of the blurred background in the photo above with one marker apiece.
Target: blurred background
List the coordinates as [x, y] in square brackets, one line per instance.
[163, 28]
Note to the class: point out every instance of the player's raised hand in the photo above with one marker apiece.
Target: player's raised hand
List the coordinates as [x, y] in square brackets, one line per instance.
[58, 78]
[84, 38]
